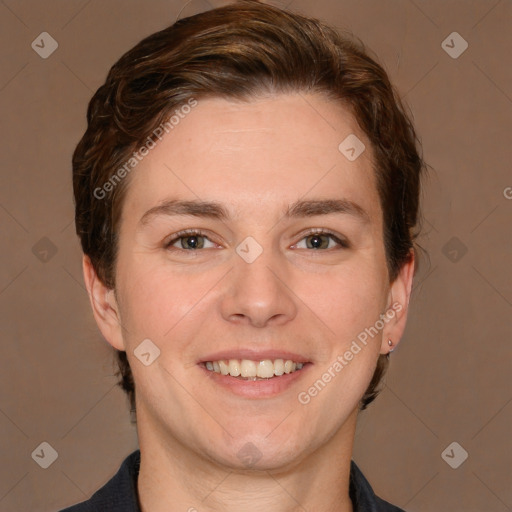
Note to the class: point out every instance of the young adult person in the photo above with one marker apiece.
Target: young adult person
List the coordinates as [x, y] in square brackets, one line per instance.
[247, 200]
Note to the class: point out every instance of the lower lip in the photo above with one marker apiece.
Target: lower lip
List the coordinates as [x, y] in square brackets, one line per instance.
[264, 388]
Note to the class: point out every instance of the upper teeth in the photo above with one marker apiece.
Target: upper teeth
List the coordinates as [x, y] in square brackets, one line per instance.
[248, 368]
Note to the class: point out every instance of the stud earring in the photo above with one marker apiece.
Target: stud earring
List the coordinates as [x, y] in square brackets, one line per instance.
[390, 343]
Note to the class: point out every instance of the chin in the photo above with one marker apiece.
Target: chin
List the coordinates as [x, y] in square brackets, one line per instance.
[250, 457]
[259, 452]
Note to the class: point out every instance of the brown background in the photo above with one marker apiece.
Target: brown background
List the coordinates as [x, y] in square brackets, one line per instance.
[450, 378]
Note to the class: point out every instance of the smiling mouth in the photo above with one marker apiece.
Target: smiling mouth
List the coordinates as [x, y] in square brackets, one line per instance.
[247, 369]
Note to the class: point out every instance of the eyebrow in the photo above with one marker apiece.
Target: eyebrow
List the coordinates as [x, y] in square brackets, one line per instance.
[215, 210]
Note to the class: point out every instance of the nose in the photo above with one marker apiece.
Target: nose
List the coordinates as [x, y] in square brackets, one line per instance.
[259, 293]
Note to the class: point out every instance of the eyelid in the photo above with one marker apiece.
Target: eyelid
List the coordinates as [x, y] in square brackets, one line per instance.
[183, 234]
[339, 239]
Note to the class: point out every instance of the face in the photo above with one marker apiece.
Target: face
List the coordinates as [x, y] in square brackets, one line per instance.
[248, 239]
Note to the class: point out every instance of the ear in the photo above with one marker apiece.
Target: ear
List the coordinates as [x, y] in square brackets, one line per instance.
[398, 305]
[104, 306]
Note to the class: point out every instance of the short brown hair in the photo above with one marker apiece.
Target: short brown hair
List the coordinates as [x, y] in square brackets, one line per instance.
[237, 52]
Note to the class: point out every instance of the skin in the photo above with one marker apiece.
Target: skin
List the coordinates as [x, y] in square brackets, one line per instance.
[255, 158]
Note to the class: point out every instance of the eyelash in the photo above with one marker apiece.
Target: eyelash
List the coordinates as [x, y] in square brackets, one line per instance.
[344, 244]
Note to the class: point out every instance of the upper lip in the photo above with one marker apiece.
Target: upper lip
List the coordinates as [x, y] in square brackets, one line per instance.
[254, 355]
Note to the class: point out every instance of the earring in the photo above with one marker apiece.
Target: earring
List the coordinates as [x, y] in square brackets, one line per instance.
[390, 343]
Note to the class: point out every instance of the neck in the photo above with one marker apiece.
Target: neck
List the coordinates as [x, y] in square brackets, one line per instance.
[174, 478]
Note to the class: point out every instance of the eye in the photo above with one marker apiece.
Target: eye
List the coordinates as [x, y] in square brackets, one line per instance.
[189, 240]
[321, 239]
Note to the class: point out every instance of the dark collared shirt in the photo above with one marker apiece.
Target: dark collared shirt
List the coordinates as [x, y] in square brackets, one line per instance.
[120, 493]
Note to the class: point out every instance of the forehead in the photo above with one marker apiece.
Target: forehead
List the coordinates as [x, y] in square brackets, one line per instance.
[256, 156]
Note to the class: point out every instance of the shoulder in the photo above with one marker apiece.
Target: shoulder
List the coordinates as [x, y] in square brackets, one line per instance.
[119, 494]
[362, 495]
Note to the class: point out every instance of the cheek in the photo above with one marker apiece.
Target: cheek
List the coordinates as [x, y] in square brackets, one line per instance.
[350, 306]
[346, 300]
[156, 300]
